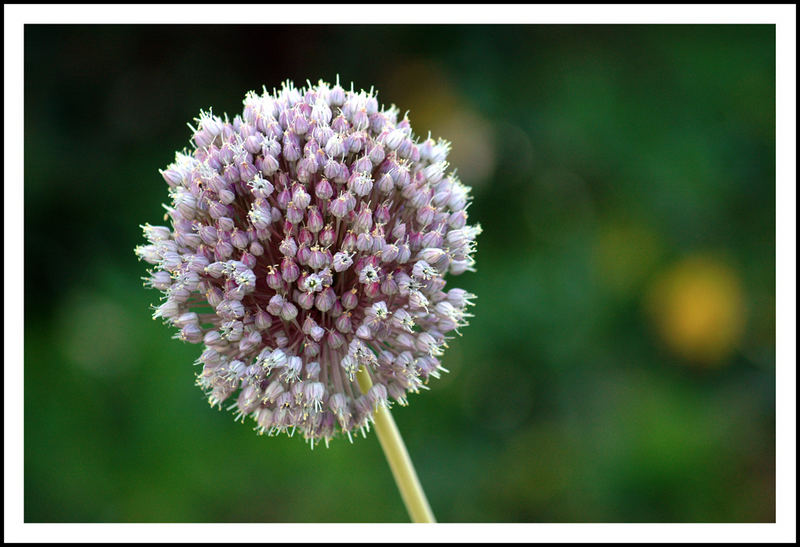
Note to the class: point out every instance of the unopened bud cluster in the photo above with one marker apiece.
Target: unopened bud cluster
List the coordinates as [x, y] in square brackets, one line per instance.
[309, 238]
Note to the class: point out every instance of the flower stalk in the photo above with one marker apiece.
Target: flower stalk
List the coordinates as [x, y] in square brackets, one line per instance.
[397, 455]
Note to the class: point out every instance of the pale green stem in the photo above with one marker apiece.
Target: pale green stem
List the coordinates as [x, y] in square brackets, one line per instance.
[399, 461]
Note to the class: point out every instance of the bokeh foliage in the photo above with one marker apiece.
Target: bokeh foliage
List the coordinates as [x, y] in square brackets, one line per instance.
[621, 362]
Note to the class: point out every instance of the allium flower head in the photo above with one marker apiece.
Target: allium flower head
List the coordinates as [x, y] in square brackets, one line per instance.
[310, 237]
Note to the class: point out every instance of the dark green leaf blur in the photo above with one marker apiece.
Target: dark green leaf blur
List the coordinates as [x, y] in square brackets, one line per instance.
[620, 366]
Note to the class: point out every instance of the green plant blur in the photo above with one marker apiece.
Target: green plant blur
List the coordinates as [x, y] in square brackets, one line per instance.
[621, 362]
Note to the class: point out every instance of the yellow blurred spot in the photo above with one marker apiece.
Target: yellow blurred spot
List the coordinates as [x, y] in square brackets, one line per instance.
[697, 307]
[441, 109]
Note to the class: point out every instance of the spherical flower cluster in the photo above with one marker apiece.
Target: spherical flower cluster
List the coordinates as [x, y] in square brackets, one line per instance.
[309, 238]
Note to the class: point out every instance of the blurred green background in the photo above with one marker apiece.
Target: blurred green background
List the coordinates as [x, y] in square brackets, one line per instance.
[621, 362]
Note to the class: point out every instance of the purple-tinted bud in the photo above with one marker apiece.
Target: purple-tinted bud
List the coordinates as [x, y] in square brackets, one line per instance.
[336, 95]
[425, 215]
[217, 209]
[328, 236]
[361, 165]
[401, 177]
[214, 296]
[284, 197]
[317, 333]
[303, 254]
[360, 183]
[364, 332]
[343, 323]
[335, 339]
[342, 261]
[225, 224]
[289, 270]
[191, 333]
[179, 293]
[274, 280]
[325, 299]
[172, 176]
[288, 247]
[305, 237]
[256, 249]
[300, 125]
[383, 214]
[292, 369]
[208, 234]
[363, 220]
[160, 280]
[189, 318]
[300, 197]
[385, 184]
[275, 304]
[294, 214]
[399, 231]
[378, 242]
[310, 349]
[364, 242]
[360, 119]
[288, 311]
[319, 258]
[247, 171]
[331, 169]
[431, 255]
[225, 154]
[389, 286]
[415, 240]
[253, 144]
[435, 172]
[407, 149]
[223, 250]
[389, 253]
[372, 290]
[231, 174]
[338, 207]
[457, 267]
[312, 369]
[349, 299]
[232, 330]
[342, 174]
[239, 239]
[335, 148]
[211, 338]
[305, 300]
[250, 342]
[349, 242]
[291, 146]
[230, 309]
[403, 253]
[457, 219]
[308, 325]
[323, 189]
[268, 165]
[394, 139]
[417, 300]
[263, 320]
[203, 138]
[340, 124]
[431, 239]
[377, 395]
[376, 154]
[314, 219]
